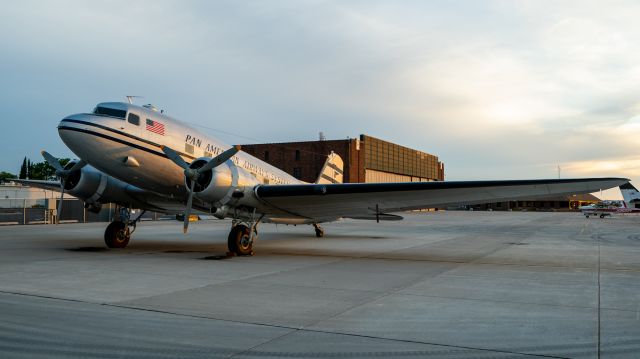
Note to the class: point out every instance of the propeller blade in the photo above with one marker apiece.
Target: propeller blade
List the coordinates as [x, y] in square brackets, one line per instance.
[187, 211]
[55, 163]
[52, 161]
[175, 157]
[59, 213]
[77, 166]
[219, 159]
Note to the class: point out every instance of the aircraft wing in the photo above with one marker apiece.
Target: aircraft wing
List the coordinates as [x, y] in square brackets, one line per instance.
[325, 201]
[50, 185]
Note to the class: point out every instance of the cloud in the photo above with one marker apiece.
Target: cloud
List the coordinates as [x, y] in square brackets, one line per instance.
[497, 89]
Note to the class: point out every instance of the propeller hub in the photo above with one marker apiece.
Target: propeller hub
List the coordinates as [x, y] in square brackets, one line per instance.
[191, 173]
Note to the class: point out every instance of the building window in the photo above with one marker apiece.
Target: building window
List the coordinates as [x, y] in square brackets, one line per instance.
[266, 155]
[297, 155]
[134, 119]
[297, 172]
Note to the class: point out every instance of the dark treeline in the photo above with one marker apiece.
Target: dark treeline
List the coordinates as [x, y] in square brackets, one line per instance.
[34, 170]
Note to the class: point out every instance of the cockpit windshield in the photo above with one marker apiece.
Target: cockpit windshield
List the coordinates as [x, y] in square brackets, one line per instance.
[112, 112]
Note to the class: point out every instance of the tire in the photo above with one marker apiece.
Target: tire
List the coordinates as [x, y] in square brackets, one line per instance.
[602, 216]
[116, 235]
[231, 240]
[319, 233]
[238, 241]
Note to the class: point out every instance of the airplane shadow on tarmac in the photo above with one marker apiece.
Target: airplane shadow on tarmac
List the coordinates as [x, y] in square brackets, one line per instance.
[218, 250]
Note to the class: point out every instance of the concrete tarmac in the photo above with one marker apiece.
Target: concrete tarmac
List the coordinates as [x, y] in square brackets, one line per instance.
[443, 285]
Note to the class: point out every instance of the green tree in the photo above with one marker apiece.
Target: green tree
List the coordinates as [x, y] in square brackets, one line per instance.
[4, 176]
[44, 171]
[41, 171]
[23, 169]
[29, 168]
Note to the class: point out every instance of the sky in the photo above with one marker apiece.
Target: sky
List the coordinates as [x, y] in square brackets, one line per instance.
[496, 89]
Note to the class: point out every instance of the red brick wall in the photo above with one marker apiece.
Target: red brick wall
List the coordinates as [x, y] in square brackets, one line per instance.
[313, 156]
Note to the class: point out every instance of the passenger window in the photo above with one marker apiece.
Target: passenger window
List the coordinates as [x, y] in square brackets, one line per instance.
[134, 119]
[188, 148]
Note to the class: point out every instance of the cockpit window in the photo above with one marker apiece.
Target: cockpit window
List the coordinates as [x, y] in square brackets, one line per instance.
[106, 111]
[134, 119]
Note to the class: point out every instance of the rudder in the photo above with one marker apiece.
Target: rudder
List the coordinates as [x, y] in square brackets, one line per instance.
[332, 171]
[629, 193]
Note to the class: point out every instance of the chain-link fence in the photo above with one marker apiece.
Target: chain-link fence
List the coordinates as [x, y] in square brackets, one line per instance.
[43, 211]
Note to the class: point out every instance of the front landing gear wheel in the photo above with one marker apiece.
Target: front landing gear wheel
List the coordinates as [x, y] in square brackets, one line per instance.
[117, 235]
[240, 241]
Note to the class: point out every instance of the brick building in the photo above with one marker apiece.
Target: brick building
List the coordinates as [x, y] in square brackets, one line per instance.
[366, 159]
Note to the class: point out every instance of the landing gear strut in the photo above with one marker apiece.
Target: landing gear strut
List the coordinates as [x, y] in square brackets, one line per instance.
[319, 230]
[118, 232]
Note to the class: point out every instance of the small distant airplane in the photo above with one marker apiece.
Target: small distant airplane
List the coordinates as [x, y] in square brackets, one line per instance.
[607, 208]
[138, 157]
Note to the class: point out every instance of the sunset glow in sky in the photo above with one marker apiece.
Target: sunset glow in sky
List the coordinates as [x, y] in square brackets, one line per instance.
[496, 89]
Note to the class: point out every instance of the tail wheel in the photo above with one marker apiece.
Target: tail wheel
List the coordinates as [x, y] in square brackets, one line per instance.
[117, 235]
[239, 241]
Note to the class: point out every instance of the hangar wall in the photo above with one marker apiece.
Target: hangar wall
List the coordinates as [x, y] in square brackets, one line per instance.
[366, 159]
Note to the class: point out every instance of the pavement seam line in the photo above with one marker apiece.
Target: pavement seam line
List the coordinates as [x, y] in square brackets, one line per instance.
[397, 290]
[287, 327]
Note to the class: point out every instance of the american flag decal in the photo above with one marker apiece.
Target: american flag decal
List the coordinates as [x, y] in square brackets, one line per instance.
[155, 126]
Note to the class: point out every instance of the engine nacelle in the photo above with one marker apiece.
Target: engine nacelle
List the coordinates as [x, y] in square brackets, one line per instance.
[95, 187]
[222, 184]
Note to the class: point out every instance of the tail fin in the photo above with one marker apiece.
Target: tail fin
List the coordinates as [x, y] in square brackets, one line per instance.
[332, 170]
[629, 193]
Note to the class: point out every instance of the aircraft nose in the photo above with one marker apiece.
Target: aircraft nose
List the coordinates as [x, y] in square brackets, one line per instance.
[76, 131]
[75, 122]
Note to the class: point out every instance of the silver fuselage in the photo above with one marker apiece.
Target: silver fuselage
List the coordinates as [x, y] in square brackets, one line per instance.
[132, 153]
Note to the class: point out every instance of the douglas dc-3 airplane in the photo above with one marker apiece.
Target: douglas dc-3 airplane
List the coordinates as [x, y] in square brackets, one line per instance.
[137, 157]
